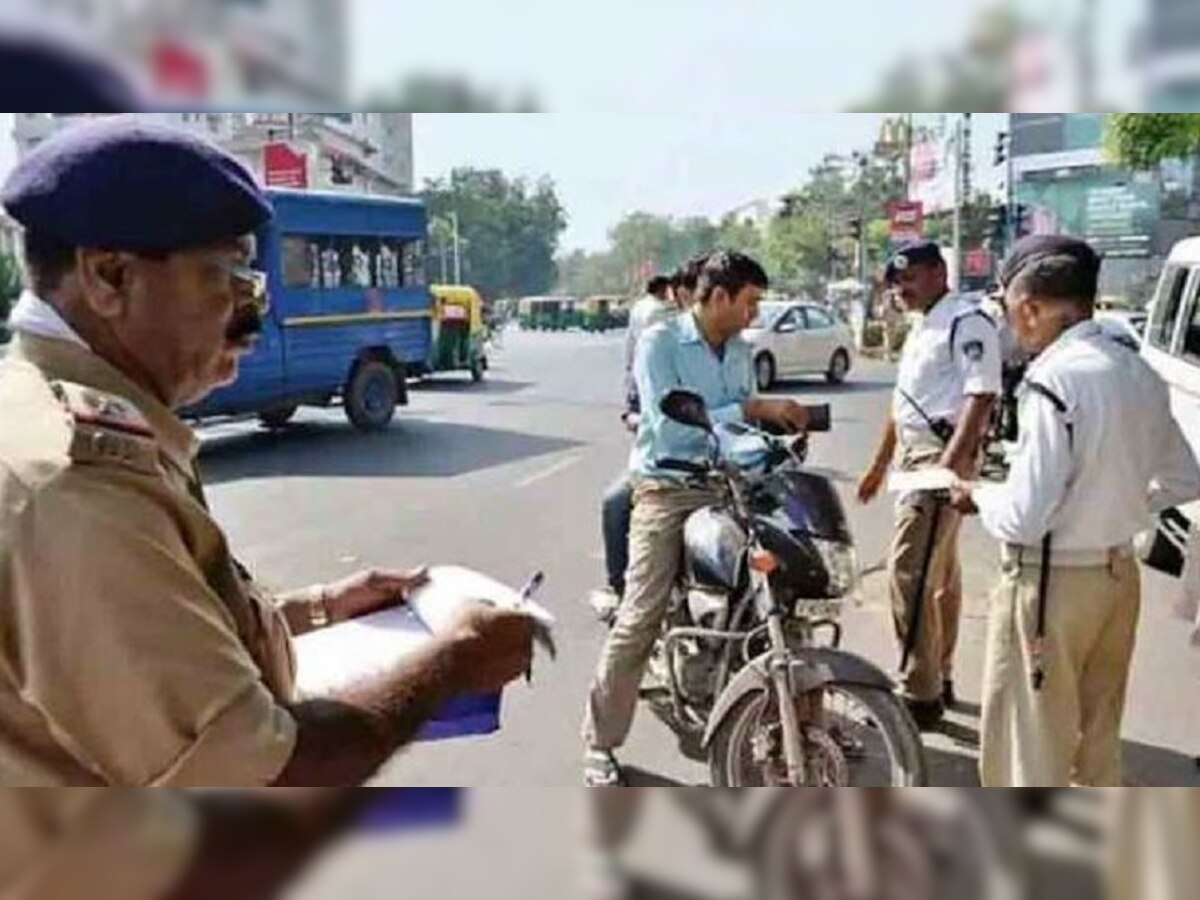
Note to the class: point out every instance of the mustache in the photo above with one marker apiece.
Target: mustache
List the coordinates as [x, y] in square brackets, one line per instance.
[247, 323]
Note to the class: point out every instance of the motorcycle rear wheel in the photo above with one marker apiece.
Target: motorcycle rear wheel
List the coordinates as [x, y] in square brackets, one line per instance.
[747, 751]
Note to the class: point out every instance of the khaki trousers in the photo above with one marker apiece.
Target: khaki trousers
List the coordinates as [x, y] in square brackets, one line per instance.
[1153, 846]
[1069, 732]
[660, 511]
[921, 519]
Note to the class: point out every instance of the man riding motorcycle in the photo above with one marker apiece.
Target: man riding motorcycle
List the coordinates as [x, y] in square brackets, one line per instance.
[700, 350]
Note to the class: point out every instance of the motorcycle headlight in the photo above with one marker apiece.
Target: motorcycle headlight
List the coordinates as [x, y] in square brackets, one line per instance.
[841, 561]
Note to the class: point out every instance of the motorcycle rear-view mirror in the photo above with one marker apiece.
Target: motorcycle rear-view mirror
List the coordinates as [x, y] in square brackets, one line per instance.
[686, 408]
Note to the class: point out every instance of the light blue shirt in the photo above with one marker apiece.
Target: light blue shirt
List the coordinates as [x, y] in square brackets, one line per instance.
[674, 355]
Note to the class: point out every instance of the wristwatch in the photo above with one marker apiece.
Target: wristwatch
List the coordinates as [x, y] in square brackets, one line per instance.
[318, 608]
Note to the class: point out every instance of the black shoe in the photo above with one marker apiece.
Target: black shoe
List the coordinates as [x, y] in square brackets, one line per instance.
[949, 700]
[927, 714]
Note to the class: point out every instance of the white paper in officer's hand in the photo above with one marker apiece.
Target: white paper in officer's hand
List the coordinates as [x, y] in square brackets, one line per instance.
[450, 588]
[343, 654]
[935, 479]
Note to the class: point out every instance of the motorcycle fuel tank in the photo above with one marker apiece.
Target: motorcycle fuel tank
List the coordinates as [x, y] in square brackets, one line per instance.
[714, 549]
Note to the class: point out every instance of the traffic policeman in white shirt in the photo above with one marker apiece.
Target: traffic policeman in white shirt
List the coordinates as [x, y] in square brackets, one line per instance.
[948, 383]
[1099, 454]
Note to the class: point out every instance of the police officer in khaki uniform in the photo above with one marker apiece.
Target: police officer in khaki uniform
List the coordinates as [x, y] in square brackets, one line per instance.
[1099, 455]
[134, 650]
[948, 381]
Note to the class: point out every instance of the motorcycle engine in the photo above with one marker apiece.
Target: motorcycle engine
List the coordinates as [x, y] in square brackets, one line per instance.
[695, 668]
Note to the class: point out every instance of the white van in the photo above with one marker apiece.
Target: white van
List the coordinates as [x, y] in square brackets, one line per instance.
[1172, 346]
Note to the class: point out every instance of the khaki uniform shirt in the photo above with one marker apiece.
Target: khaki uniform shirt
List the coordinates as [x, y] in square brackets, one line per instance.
[133, 649]
[101, 843]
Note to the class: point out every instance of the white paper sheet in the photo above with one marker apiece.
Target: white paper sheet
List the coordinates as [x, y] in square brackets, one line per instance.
[343, 654]
[934, 479]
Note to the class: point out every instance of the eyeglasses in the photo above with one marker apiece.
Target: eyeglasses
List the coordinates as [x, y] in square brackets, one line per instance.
[249, 284]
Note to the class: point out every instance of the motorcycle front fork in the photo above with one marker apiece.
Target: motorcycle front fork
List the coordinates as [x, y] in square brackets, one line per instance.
[781, 678]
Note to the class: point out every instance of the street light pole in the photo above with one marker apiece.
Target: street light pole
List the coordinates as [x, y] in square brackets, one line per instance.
[457, 249]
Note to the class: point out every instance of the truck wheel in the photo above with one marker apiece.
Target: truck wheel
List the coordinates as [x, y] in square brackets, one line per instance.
[278, 417]
[478, 367]
[372, 395]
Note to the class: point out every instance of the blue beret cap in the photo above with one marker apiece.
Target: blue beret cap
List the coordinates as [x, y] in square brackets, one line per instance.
[1031, 250]
[919, 252]
[127, 184]
[62, 74]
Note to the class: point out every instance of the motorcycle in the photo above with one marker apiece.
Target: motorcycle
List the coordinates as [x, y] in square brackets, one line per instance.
[740, 666]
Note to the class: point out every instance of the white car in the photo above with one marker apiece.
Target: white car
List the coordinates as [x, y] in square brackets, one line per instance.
[794, 339]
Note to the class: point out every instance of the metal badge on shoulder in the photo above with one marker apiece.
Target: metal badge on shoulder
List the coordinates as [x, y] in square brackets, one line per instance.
[974, 350]
[108, 429]
[89, 406]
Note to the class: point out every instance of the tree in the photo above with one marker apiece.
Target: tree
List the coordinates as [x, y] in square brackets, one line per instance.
[977, 77]
[508, 229]
[10, 285]
[1143, 140]
[438, 94]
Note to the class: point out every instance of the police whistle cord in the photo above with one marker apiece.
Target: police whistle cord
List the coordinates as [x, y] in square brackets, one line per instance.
[914, 625]
[1039, 640]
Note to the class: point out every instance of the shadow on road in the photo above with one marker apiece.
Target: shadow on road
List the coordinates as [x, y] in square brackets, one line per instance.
[455, 384]
[815, 386]
[1148, 766]
[412, 449]
[637, 777]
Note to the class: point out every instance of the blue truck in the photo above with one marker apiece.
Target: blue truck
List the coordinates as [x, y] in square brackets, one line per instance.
[351, 316]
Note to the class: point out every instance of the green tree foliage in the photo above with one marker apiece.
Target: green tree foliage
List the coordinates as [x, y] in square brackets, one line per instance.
[10, 286]
[976, 77]
[1143, 140]
[438, 94]
[508, 230]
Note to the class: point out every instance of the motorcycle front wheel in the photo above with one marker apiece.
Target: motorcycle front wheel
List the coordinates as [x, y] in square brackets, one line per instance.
[854, 736]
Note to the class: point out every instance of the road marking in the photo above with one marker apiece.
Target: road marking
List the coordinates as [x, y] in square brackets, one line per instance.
[546, 473]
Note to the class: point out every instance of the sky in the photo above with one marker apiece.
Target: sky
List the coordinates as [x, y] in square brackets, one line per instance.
[677, 107]
[606, 166]
[692, 55]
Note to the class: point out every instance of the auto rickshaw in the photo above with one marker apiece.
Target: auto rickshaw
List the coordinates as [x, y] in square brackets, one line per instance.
[620, 312]
[458, 331]
[570, 313]
[599, 313]
[525, 313]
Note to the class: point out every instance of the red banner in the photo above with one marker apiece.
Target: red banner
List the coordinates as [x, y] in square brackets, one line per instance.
[179, 70]
[906, 220]
[284, 167]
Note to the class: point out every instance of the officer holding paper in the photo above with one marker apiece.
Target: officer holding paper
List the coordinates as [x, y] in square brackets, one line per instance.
[948, 382]
[1099, 455]
[134, 649]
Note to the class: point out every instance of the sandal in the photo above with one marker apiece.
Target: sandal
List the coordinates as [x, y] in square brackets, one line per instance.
[600, 769]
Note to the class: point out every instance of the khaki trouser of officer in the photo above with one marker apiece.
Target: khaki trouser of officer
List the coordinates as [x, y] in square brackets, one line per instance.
[660, 512]
[1152, 848]
[932, 659]
[1069, 732]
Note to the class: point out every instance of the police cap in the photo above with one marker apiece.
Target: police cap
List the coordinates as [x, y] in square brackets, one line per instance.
[62, 73]
[127, 184]
[913, 253]
[1031, 250]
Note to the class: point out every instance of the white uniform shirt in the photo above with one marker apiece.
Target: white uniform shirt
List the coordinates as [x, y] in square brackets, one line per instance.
[1094, 473]
[939, 377]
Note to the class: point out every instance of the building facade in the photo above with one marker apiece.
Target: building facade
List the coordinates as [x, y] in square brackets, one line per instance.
[1172, 51]
[1066, 186]
[355, 152]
